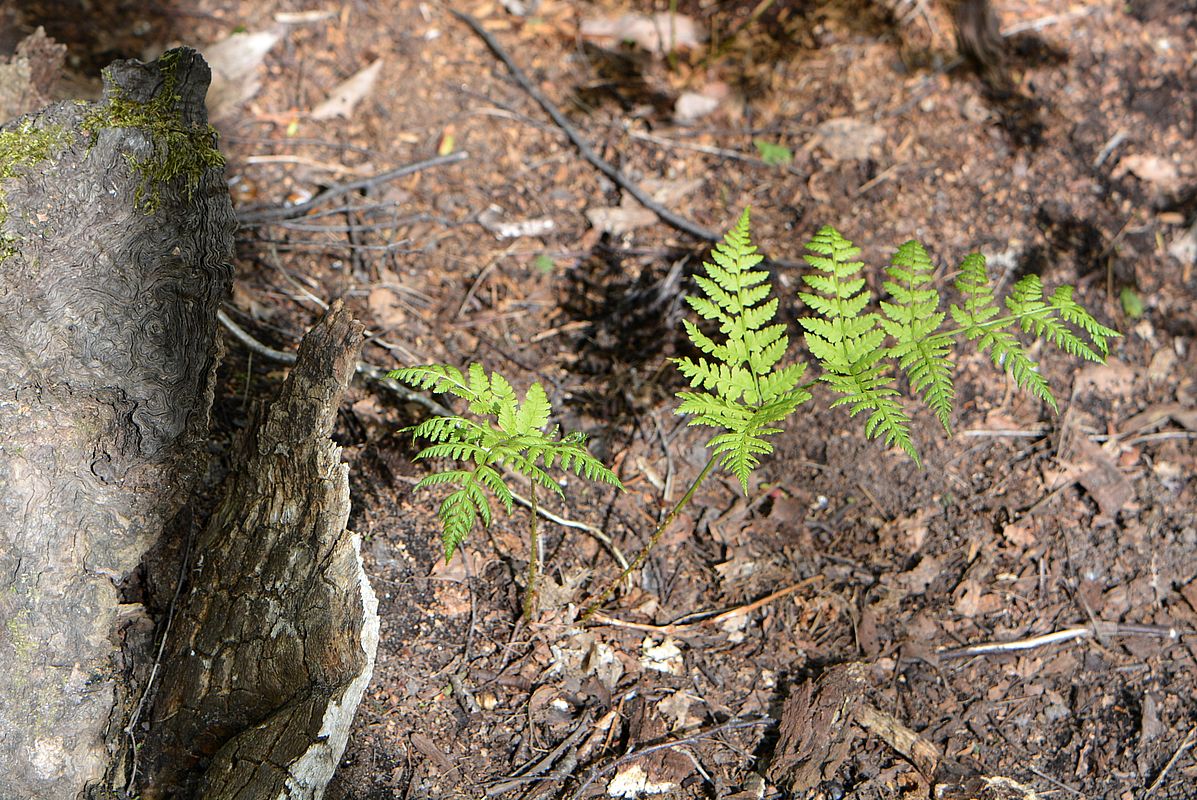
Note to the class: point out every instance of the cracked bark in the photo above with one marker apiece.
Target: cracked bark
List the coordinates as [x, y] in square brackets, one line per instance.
[280, 627]
[108, 351]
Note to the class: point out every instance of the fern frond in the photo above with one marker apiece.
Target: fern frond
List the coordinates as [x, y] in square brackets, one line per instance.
[511, 434]
[738, 451]
[912, 320]
[1074, 314]
[442, 429]
[534, 411]
[847, 342]
[457, 515]
[491, 479]
[979, 321]
[745, 388]
[439, 378]
[456, 450]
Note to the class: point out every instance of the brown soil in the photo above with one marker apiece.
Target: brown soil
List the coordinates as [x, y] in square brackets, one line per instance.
[1023, 524]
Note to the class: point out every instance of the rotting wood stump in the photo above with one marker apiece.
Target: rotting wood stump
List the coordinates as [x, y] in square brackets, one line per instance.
[277, 636]
[116, 235]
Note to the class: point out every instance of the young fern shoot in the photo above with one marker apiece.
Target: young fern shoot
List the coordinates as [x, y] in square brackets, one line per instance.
[744, 390]
[510, 433]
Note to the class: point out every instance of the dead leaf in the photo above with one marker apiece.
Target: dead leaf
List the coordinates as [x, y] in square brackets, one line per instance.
[1184, 247]
[492, 220]
[657, 33]
[691, 106]
[630, 215]
[343, 99]
[235, 76]
[428, 748]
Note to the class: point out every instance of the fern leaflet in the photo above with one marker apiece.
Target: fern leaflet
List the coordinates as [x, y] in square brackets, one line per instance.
[978, 320]
[912, 320]
[847, 343]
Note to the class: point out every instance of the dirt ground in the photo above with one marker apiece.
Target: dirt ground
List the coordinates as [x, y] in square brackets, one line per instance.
[875, 575]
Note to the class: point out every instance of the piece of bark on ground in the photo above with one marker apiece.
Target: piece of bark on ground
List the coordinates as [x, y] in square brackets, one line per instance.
[276, 637]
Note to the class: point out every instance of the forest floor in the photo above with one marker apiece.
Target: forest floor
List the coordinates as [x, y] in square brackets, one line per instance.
[875, 574]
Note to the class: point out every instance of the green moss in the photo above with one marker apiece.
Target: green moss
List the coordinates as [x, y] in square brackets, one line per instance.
[20, 148]
[180, 150]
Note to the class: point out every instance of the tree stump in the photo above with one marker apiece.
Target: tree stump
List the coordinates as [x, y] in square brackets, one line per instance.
[107, 358]
[115, 253]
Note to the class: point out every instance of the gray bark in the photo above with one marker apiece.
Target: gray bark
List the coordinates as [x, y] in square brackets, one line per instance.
[107, 355]
[108, 351]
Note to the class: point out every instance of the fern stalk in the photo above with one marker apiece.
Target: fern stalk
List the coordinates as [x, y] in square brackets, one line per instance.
[597, 603]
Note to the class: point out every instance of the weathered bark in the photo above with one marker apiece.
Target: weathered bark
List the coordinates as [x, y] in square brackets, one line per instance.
[277, 635]
[115, 253]
[107, 355]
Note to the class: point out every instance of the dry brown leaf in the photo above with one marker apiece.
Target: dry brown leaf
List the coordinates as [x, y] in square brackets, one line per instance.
[657, 33]
[848, 138]
[343, 99]
[235, 76]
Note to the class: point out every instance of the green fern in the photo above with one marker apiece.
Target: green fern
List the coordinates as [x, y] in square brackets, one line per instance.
[746, 392]
[511, 434]
[849, 343]
[912, 321]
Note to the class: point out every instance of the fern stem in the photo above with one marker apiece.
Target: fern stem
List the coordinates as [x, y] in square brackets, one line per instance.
[652, 540]
[998, 324]
[533, 557]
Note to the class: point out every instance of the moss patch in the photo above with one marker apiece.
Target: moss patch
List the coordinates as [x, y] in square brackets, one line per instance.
[180, 150]
[21, 148]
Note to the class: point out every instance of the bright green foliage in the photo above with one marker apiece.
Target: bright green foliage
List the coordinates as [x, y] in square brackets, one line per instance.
[746, 391]
[912, 320]
[1058, 319]
[849, 344]
[510, 434]
[748, 394]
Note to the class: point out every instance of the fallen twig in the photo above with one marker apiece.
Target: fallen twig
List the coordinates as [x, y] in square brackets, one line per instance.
[254, 216]
[692, 621]
[1189, 739]
[1098, 630]
[587, 152]
[375, 374]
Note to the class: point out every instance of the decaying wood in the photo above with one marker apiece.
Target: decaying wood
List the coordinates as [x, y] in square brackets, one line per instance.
[278, 632]
[816, 729]
[107, 354]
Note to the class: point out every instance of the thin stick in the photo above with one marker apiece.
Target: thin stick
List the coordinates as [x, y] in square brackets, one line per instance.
[597, 533]
[375, 374]
[533, 557]
[255, 215]
[680, 627]
[1098, 629]
[1185, 745]
[584, 148]
[652, 540]
[693, 738]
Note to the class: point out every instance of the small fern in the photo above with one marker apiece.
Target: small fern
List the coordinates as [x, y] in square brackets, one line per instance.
[747, 392]
[848, 343]
[512, 433]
